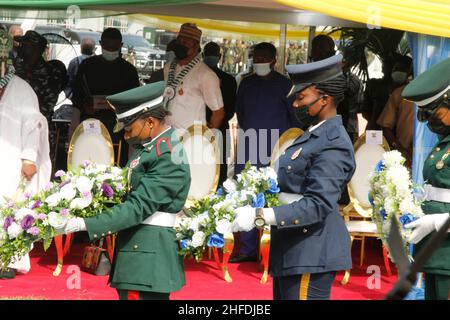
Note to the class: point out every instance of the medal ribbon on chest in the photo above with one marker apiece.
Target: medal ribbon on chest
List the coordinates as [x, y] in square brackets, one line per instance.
[441, 163]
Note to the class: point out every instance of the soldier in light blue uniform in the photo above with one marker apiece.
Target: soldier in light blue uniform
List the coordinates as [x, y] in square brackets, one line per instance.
[309, 239]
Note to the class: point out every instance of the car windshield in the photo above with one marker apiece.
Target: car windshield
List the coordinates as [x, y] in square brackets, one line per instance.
[135, 41]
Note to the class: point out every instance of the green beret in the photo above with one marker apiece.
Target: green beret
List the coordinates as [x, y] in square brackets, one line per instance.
[130, 104]
[430, 85]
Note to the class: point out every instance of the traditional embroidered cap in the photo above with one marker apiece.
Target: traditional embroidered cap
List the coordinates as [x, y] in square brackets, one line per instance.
[430, 85]
[131, 104]
[190, 31]
[305, 75]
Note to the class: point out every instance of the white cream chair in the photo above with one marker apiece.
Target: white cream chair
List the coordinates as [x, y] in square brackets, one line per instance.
[286, 139]
[358, 213]
[90, 141]
[203, 155]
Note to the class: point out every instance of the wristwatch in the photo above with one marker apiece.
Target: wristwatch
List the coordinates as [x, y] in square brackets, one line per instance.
[259, 218]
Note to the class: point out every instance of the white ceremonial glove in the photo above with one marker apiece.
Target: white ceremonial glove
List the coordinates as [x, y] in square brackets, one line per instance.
[245, 219]
[75, 225]
[269, 216]
[425, 225]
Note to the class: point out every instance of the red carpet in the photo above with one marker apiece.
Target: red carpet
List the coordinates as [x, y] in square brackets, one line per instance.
[203, 280]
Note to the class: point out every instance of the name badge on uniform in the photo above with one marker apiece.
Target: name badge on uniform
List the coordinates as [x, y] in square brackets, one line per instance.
[296, 154]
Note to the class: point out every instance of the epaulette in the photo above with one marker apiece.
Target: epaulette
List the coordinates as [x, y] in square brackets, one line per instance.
[333, 132]
[158, 144]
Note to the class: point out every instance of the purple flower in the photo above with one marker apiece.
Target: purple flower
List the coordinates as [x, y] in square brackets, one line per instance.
[108, 192]
[42, 216]
[48, 186]
[7, 223]
[87, 194]
[86, 163]
[63, 184]
[37, 204]
[33, 231]
[27, 222]
[59, 173]
[119, 186]
[64, 212]
[27, 195]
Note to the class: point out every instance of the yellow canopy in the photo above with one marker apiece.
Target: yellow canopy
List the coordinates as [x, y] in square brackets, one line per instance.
[253, 29]
[260, 30]
[428, 17]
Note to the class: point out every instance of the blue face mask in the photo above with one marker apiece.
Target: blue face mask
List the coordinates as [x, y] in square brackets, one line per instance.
[211, 61]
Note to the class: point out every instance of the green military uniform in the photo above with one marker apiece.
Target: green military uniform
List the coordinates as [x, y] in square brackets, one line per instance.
[146, 256]
[292, 55]
[429, 91]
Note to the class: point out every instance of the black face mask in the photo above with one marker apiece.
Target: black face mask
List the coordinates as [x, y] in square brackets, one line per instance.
[302, 114]
[135, 141]
[437, 126]
[181, 51]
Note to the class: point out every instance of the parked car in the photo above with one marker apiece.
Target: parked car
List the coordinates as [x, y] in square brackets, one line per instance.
[77, 35]
[148, 58]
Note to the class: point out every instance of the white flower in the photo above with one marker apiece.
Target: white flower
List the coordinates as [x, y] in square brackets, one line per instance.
[230, 185]
[105, 176]
[198, 239]
[194, 224]
[223, 226]
[389, 206]
[14, 230]
[269, 173]
[53, 200]
[56, 220]
[80, 203]
[21, 213]
[84, 184]
[393, 158]
[68, 192]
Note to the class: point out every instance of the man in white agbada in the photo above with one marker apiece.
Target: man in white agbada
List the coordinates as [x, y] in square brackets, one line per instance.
[24, 145]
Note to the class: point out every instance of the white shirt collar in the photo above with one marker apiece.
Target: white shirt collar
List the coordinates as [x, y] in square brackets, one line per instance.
[145, 144]
[311, 129]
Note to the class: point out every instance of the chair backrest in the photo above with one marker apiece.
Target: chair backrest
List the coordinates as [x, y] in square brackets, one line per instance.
[286, 139]
[90, 141]
[366, 156]
[203, 155]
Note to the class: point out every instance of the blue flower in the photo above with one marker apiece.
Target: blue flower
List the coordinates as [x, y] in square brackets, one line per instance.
[220, 191]
[371, 199]
[379, 167]
[216, 240]
[407, 218]
[383, 214]
[259, 201]
[184, 244]
[273, 186]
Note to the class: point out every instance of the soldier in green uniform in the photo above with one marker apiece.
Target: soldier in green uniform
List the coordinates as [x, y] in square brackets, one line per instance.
[146, 261]
[431, 92]
[291, 53]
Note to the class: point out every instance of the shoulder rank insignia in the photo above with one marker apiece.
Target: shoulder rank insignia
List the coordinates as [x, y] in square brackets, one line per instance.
[296, 154]
[163, 140]
[134, 163]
